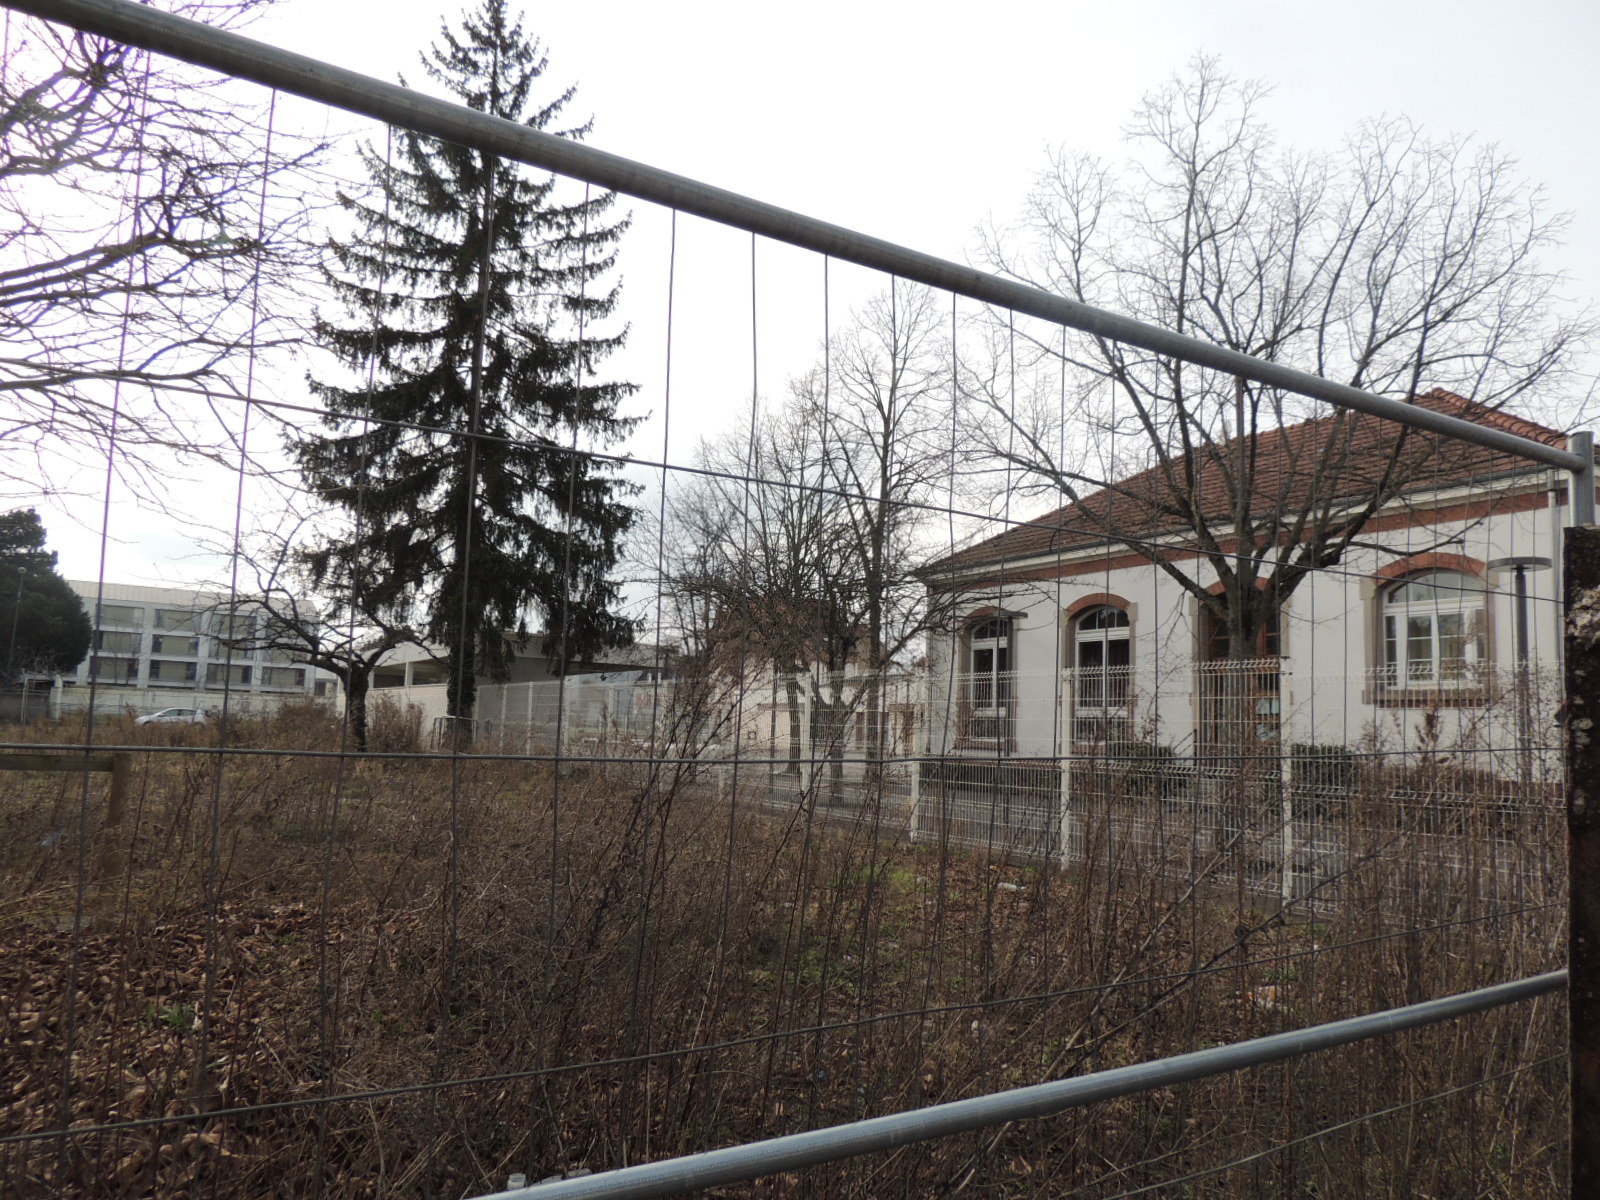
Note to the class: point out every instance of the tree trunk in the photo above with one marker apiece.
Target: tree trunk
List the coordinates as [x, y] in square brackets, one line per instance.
[462, 695]
[355, 707]
[1247, 751]
[461, 691]
[873, 715]
[792, 689]
[836, 736]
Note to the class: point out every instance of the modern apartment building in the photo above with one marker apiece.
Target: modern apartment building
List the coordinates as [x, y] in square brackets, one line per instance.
[182, 640]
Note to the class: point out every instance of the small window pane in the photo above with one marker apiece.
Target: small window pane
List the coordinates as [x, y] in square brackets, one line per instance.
[117, 643]
[1452, 646]
[1419, 648]
[1119, 659]
[1444, 588]
[1104, 618]
[1091, 688]
[114, 670]
[237, 627]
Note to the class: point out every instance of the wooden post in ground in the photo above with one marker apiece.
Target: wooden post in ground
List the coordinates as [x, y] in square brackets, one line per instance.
[1582, 645]
[119, 765]
[112, 859]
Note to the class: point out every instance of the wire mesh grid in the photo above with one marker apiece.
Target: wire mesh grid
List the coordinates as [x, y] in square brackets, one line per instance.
[920, 778]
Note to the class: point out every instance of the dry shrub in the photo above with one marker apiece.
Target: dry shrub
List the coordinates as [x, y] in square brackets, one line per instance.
[305, 724]
[634, 966]
[393, 727]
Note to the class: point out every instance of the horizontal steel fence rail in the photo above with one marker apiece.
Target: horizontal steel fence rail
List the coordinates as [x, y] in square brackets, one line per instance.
[815, 1147]
[300, 75]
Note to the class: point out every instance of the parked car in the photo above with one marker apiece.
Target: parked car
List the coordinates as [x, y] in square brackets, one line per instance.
[174, 716]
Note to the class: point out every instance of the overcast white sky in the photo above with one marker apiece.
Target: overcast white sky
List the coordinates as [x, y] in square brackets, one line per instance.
[917, 122]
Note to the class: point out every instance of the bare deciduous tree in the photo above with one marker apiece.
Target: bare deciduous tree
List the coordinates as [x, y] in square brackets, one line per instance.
[753, 572]
[882, 416]
[312, 603]
[149, 225]
[1398, 265]
[797, 549]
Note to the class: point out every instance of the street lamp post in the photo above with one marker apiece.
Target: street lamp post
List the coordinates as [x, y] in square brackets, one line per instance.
[1520, 565]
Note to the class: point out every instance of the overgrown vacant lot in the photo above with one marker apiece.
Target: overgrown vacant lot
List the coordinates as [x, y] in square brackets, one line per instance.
[413, 976]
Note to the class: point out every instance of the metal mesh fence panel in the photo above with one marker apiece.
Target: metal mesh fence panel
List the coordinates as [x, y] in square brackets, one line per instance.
[902, 741]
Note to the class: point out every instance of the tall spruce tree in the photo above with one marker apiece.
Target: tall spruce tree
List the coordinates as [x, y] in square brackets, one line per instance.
[473, 295]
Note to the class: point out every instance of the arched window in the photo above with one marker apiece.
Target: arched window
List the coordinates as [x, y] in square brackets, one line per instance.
[1102, 660]
[1434, 630]
[990, 679]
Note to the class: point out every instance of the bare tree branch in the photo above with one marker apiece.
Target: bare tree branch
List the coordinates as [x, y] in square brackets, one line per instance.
[1399, 265]
[153, 235]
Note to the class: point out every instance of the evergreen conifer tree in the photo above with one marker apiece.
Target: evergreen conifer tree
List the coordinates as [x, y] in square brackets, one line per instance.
[473, 295]
[43, 621]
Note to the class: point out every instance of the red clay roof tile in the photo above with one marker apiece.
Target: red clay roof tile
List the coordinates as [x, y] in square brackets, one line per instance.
[1325, 462]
